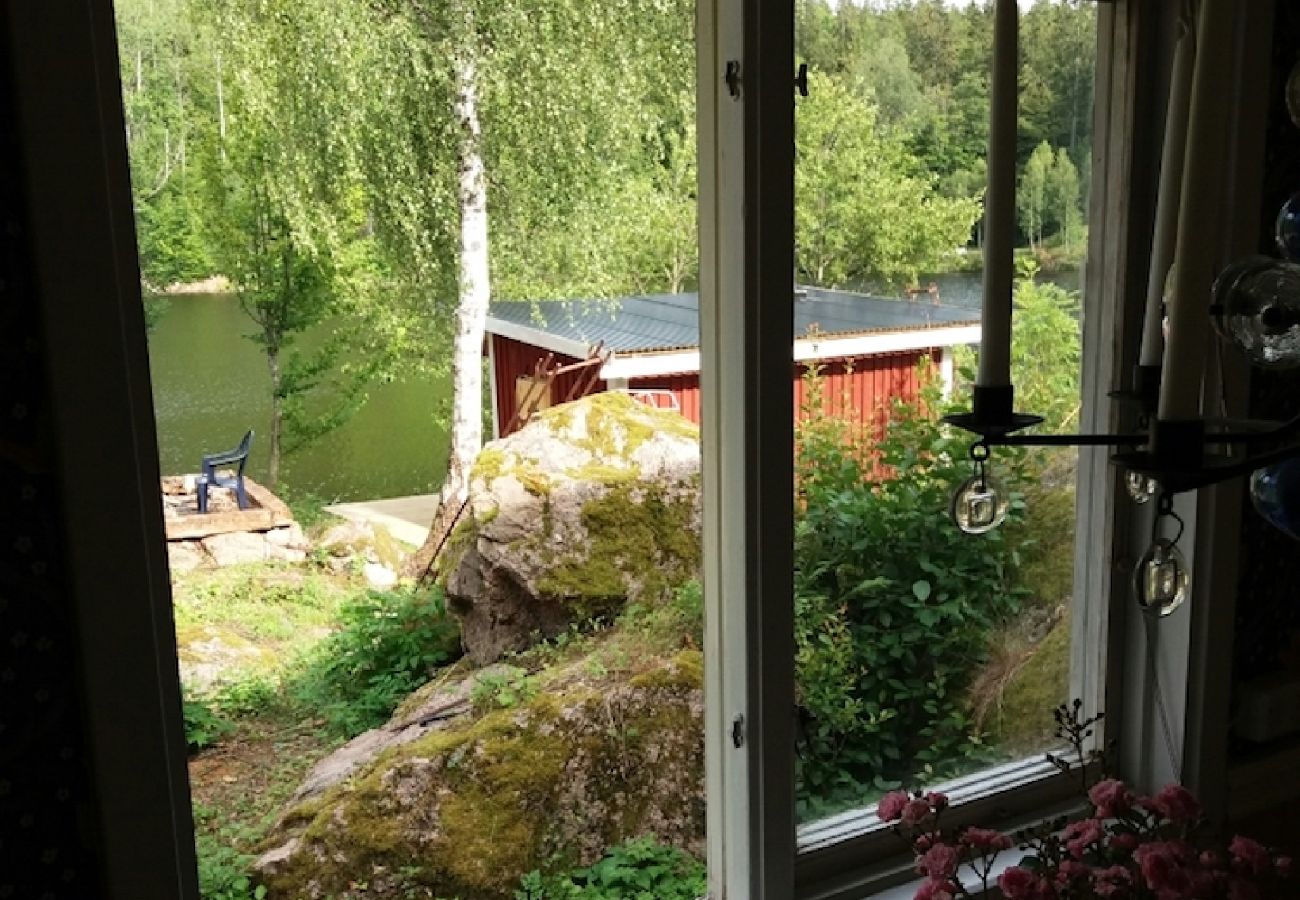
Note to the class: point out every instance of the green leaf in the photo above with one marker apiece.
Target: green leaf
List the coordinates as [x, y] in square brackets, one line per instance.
[921, 590]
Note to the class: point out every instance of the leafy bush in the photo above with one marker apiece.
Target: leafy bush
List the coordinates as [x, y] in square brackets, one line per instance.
[203, 727]
[388, 645]
[639, 869]
[503, 689]
[223, 872]
[894, 605]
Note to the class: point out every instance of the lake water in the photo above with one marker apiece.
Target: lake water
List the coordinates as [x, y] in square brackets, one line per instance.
[211, 385]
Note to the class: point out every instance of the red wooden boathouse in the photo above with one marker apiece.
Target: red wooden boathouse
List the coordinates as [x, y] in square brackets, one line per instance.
[868, 348]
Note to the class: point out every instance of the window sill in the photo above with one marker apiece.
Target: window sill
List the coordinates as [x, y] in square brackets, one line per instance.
[854, 855]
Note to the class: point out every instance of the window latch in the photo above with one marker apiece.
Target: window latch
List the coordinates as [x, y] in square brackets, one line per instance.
[801, 80]
[738, 732]
[732, 77]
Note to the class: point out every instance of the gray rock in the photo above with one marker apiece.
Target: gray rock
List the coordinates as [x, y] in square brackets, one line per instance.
[185, 556]
[379, 576]
[236, 547]
[593, 504]
[480, 799]
[289, 537]
[433, 708]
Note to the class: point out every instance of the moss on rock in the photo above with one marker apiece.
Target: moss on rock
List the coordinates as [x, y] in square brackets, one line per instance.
[640, 533]
[1023, 719]
[591, 505]
[469, 809]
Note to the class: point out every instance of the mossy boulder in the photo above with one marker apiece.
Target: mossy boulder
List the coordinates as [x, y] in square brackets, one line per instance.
[1022, 720]
[591, 505]
[477, 800]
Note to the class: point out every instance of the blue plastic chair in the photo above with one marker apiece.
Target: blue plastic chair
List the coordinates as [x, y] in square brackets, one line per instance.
[209, 477]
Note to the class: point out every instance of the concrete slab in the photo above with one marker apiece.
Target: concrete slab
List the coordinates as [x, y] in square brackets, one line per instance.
[406, 518]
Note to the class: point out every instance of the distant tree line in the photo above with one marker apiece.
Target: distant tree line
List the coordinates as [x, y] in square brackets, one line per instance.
[379, 169]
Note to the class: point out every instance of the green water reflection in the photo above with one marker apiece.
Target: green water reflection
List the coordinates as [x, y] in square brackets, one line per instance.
[211, 384]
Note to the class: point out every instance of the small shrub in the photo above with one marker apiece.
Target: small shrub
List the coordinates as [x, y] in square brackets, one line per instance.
[503, 689]
[308, 508]
[252, 694]
[203, 726]
[224, 872]
[388, 645]
[639, 869]
[894, 606]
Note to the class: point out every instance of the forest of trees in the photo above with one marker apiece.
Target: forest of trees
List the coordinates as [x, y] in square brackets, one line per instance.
[383, 167]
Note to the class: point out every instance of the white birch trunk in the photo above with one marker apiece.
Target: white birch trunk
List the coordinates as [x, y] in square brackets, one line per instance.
[472, 308]
[471, 311]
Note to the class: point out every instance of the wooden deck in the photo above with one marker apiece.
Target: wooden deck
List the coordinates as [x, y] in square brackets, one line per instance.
[406, 518]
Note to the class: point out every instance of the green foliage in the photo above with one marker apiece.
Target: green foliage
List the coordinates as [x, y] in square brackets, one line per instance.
[638, 869]
[308, 507]
[864, 208]
[1031, 193]
[504, 688]
[224, 871]
[1046, 350]
[894, 606]
[1046, 354]
[203, 726]
[388, 645]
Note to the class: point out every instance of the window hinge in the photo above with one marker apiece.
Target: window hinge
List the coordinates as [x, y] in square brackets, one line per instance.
[738, 732]
[732, 77]
[801, 80]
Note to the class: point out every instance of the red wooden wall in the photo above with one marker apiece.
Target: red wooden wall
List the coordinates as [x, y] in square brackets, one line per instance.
[515, 359]
[860, 388]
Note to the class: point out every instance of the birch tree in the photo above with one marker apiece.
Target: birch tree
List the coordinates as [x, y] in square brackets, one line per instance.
[534, 112]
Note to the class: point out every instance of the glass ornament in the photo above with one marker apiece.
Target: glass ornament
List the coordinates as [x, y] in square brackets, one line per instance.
[1286, 231]
[1258, 309]
[1141, 487]
[1161, 582]
[1275, 493]
[980, 504]
[1293, 94]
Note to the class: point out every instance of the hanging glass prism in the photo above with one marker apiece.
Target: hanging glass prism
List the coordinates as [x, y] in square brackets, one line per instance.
[980, 504]
[1258, 308]
[1161, 581]
[1275, 492]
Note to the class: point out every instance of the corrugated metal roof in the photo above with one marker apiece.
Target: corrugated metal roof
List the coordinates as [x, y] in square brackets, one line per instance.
[671, 321]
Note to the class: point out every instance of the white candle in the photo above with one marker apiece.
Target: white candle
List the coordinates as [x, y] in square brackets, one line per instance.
[1000, 201]
[1167, 203]
[1200, 212]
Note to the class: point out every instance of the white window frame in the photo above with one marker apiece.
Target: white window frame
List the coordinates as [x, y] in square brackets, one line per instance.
[64, 63]
[746, 173]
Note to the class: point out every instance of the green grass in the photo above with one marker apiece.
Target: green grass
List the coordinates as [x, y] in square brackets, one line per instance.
[275, 611]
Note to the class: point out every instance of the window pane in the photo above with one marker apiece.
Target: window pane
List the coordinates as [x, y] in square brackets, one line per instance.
[924, 653]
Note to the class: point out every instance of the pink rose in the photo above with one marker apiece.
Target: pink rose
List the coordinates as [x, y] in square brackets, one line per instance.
[1177, 804]
[891, 805]
[985, 840]
[922, 843]
[1069, 871]
[915, 812]
[1113, 882]
[1111, 798]
[938, 802]
[940, 861]
[1162, 868]
[934, 889]
[1079, 836]
[1124, 841]
[1017, 883]
[1250, 854]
